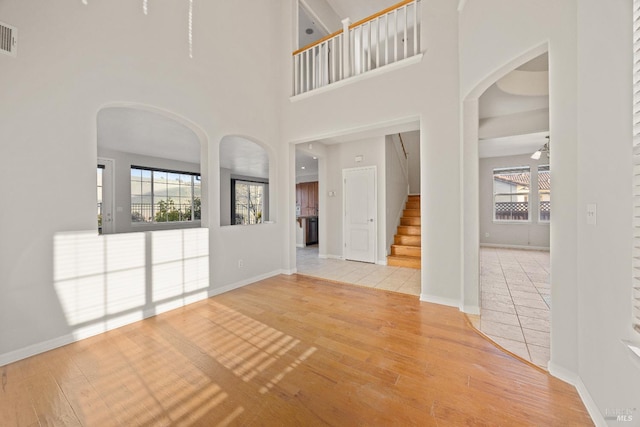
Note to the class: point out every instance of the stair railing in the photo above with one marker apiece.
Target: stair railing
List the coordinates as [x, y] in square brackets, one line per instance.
[383, 38]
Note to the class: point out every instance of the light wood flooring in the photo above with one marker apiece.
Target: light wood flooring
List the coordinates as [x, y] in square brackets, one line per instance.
[291, 351]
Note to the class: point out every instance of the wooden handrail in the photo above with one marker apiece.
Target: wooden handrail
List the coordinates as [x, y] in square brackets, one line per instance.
[382, 12]
[317, 42]
[360, 22]
[404, 150]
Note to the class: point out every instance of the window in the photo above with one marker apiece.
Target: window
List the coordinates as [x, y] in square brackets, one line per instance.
[636, 167]
[544, 193]
[248, 202]
[159, 196]
[511, 193]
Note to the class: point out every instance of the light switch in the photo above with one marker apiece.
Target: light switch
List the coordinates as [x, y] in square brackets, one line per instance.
[592, 213]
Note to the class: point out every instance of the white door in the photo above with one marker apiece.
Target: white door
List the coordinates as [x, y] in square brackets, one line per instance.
[360, 222]
[105, 196]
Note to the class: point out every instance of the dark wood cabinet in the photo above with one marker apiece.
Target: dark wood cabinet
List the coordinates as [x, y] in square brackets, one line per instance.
[307, 198]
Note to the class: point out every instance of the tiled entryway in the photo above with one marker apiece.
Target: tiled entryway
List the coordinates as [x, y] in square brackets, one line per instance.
[516, 301]
[398, 279]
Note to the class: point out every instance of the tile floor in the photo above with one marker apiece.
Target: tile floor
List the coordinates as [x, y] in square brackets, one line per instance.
[516, 294]
[516, 298]
[398, 279]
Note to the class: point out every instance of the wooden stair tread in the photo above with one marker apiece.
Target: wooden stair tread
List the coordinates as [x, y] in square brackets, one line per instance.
[407, 240]
[410, 220]
[403, 261]
[406, 250]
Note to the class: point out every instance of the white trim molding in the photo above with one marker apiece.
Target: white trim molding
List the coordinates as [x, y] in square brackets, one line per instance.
[440, 300]
[529, 248]
[87, 332]
[470, 309]
[359, 77]
[572, 378]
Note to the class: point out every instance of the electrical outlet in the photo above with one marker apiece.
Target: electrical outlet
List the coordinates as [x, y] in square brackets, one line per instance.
[486, 234]
[240, 263]
[592, 214]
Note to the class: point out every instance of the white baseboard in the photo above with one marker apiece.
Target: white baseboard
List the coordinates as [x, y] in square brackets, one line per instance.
[244, 282]
[573, 379]
[382, 262]
[470, 309]
[32, 350]
[563, 374]
[529, 248]
[300, 245]
[590, 404]
[101, 327]
[451, 302]
[329, 256]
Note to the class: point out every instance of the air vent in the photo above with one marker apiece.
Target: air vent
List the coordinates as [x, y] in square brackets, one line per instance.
[8, 40]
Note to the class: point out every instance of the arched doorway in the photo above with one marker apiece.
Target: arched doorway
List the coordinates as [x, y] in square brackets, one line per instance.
[501, 280]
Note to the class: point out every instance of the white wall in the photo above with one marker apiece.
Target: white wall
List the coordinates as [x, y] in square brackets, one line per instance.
[306, 178]
[412, 144]
[225, 196]
[589, 46]
[527, 234]
[427, 91]
[608, 370]
[397, 187]
[73, 60]
[495, 37]
[342, 156]
[325, 13]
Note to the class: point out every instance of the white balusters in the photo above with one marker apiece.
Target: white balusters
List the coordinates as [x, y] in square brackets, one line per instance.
[375, 42]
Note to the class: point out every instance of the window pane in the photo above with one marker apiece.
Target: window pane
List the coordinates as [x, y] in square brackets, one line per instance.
[160, 196]
[511, 193]
[544, 193]
[248, 202]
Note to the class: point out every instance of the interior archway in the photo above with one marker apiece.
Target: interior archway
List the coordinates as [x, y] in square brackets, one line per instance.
[246, 171]
[471, 178]
[160, 145]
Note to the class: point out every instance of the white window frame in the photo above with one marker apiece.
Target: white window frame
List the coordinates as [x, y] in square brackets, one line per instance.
[263, 202]
[195, 177]
[518, 193]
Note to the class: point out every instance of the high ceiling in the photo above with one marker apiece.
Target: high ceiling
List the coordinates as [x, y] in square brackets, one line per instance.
[359, 9]
[514, 112]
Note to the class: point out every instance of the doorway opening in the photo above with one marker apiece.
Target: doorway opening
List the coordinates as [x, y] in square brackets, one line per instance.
[326, 159]
[512, 177]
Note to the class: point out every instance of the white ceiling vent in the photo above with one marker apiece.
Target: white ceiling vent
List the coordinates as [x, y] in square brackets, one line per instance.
[8, 39]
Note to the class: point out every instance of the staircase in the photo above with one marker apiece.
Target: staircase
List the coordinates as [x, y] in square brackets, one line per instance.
[406, 251]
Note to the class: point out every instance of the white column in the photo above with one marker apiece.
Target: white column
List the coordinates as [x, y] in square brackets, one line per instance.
[346, 52]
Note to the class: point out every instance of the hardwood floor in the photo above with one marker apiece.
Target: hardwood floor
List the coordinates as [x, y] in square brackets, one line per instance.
[289, 350]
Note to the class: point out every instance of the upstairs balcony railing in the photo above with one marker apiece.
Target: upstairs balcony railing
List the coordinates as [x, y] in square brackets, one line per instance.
[388, 36]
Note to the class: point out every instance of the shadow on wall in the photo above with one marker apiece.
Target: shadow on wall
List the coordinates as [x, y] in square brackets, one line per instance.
[104, 282]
